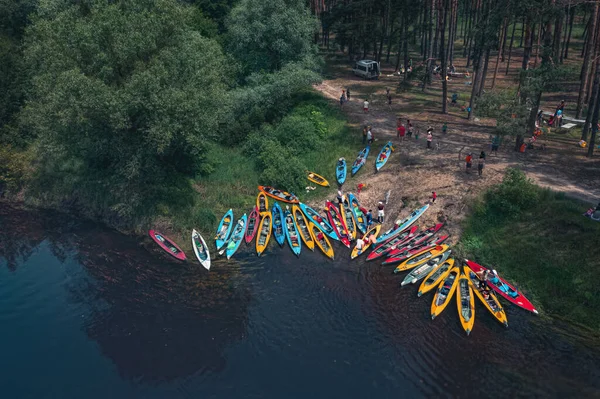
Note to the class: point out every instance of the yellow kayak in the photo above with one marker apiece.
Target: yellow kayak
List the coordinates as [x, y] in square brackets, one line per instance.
[350, 223]
[317, 179]
[490, 301]
[421, 257]
[264, 233]
[302, 224]
[444, 292]
[435, 276]
[372, 231]
[321, 240]
[262, 202]
[465, 303]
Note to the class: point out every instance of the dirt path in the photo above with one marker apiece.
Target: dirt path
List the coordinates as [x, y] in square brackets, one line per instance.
[413, 171]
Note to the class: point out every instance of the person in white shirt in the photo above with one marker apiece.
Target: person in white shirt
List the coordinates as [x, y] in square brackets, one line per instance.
[366, 106]
[360, 244]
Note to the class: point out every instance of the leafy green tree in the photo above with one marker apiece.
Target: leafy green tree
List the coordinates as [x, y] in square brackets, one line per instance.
[266, 35]
[123, 100]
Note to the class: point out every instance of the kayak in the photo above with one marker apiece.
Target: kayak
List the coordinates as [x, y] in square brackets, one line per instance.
[465, 303]
[321, 240]
[200, 249]
[357, 213]
[361, 159]
[384, 155]
[403, 224]
[340, 171]
[262, 202]
[302, 224]
[264, 233]
[444, 292]
[419, 239]
[320, 222]
[435, 276]
[224, 229]
[421, 257]
[409, 250]
[387, 246]
[291, 233]
[423, 270]
[504, 289]
[236, 237]
[346, 214]
[356, 252]
[279, 195]
[490, 301]
[317, 179]
[278, 230]
[338, 224]
[252, 228]
[167, 244]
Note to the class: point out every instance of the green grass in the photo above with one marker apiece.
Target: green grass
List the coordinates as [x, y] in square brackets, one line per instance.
[546, 247]
[234, 182]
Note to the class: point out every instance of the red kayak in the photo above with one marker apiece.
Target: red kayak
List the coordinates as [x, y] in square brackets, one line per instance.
[167, 244]
[387, 246]
[252, 228]
[410, 250]
[338, 223]
[504, 289]
[419, 239]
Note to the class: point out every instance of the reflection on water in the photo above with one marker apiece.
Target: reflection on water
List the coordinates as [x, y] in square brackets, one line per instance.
[122, 319]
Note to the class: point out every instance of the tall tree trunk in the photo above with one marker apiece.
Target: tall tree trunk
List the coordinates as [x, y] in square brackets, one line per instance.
[557, 35]
[429, 71]
[484, 75]
[527, 48]
[595, 59]
[573, 12]
[523, 34]
[504, 35]
[566, 32]
[537, 47]
[593, 103]
[512, 38]
[500, 49]
[405, 47]
[443, 56]
[592, 142]
[586, 62]
[437, 19]
[586, 37]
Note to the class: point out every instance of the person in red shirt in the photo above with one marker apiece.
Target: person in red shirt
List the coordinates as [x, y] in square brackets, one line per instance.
[433, 196]
[469, 161]
[401, 130]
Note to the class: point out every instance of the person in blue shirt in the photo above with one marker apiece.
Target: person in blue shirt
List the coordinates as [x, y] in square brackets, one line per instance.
[369, 218]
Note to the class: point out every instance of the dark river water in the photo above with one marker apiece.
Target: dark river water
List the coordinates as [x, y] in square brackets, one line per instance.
[86, 312]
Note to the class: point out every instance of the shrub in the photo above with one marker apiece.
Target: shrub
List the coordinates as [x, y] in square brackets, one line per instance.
[515, 194]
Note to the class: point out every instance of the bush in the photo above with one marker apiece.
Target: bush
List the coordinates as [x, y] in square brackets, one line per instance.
[515, 194]
[280, 168]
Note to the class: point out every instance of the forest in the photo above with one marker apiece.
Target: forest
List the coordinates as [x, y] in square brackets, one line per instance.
[133, 110]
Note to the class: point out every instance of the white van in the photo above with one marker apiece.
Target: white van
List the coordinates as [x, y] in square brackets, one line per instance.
[367, 69]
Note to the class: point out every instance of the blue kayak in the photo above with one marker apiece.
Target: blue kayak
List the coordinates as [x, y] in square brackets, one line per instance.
[340, 171]
[359, 217]
[320, 222]
[293, 238]
[224, 229]
[402, 224]
[236, 236]
[384, 155]
[361, 159]
[278, 230]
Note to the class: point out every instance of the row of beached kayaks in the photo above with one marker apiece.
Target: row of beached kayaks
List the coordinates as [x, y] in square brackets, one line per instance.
[341, 168]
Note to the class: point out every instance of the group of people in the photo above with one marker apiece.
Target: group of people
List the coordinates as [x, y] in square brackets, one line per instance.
[480, 163]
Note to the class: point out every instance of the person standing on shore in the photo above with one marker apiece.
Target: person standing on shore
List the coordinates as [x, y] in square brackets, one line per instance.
[369, 218]
[366, 106]
[364, 135]
[380, 212]
[369, 136]
[433, 197]
[429, 137]
[401, 130]
[409, 128]
[481, 163]
[469, 162]
[348, 94]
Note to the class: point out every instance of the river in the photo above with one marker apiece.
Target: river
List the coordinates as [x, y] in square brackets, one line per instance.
[86, 312]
